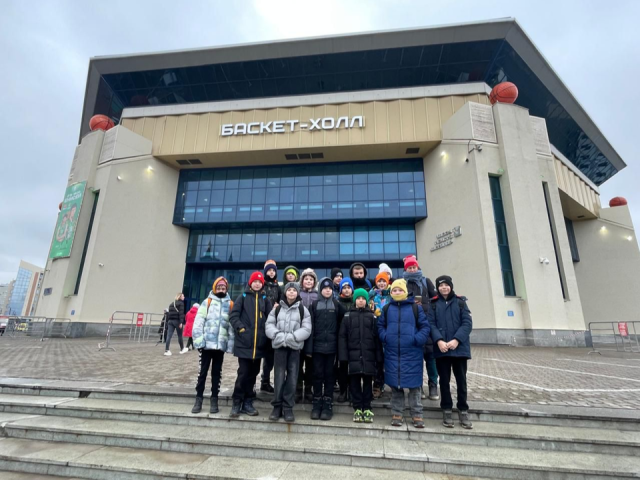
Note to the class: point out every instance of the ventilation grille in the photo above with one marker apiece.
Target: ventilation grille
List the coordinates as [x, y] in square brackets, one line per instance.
[411, 151]
[303, 156]
[193, 161]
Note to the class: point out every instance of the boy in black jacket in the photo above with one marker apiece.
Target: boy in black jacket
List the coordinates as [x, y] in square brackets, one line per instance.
[274, 294]
[359, 345]
[322, 345]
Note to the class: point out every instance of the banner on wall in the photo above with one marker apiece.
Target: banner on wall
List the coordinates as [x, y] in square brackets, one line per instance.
[67, 221]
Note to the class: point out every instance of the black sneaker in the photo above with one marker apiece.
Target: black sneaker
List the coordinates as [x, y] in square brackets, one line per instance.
[327, 408]
[433, 391]
[447, 418]
[316, 411]
[214, 405]
[247, 407]
[266, 388]
[235, 409]
[276, 413]
[465, 421]
[288, 415]
[197, 407]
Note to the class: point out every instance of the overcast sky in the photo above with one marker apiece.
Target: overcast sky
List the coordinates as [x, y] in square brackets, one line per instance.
[45, 48]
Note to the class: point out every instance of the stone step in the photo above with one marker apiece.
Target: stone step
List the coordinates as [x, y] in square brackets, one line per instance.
[340, 450]
[49, 460]
[506, 435]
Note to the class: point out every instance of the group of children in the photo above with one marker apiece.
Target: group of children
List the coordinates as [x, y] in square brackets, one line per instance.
[367, 334]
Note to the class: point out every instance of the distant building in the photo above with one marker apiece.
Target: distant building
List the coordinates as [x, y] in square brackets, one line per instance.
[5, 294]
[26, 290]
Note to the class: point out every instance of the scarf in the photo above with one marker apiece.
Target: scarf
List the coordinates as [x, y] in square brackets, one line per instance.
[415, 277]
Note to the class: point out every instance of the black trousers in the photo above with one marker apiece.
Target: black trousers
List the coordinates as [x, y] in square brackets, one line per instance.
[248, 370]
[190, 342]
[305, 373]
[343, 376]
[213, 358]
[323, 374]
[378, 381]
[172, 327]
[286, 365]
[459, 366]
[361, 391]
[267, 365]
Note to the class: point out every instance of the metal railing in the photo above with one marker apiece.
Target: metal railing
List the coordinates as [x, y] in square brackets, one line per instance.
[36, 328]
[125, 327]
[621, 336]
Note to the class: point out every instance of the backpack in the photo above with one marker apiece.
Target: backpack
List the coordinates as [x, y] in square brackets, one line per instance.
[300, 309]
[461, 304]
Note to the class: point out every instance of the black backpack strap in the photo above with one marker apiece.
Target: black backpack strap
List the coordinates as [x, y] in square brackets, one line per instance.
[385, 309]
[278, 308]
[301, 310]
[414, 307]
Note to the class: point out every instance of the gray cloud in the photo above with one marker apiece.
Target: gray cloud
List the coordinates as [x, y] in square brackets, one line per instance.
[45, 48]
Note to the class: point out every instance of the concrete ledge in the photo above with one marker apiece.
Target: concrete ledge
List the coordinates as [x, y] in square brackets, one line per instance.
[531, 338]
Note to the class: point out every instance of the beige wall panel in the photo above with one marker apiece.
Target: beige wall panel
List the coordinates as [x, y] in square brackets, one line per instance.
[407, 123]
[149, 127]
[433, 118]
[457, 103]
[559, 178]
[393, 120]
[343, 133]
[158, 135]
[138, 127]
[189, 143]
[235, 141]
[202, 133]
[305, 135]
[381, 124]
[169, 135]
[223, 142]
[283, 140]
[257, 143]
[128, 122]
[213, 132]
[331, 136]
[294, 137]
[245, 140]
[420, 127]
[484, 99]
[317, 136]
[270, 140]
[357, 135]
[446, 109]
[181, 130]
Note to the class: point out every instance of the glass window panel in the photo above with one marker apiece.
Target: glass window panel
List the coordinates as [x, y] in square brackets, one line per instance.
[275, 251]
[330, 179]
[205, 185]
[289, 235]
[361, 235]
[418, 176]
[231, 197]
[419, 189]
[346, 236]
[374, 178]
[258, 196]
[235, 237]
[361, 248]
[303, 235]
[407, 248]
[390, 236]
[244, 196]
[190, 199]
[391, 177]
[331, 237]
[390, 191]
[303, 251]
[318, 180]
[359, 193]
[330, 194]
[287, 182]
[289, 251]
[375, 191]
[375, 235]
[273, 195]
[315, 194]
[218, 185]
[360, 179]
[331, 251]
[273, 182]
[259, 182]
[275, 236]
[406, 190]
[217, 197]
[407, 235]
[405, 176]
[221, 238]
[192, 185]
[345, 179]
[317, 252]
[286, 195]
[376, 248]
[346, 249]
[219, 174]
[317, 236]
[233, 253]
[248, 237]
[301, 194]
[246, 253]
[302, 181]
[391, 248]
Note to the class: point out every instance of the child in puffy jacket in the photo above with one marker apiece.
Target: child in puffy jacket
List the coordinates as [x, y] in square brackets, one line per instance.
[212, 336]
[308, 295]
[288, 326]
[378, 298]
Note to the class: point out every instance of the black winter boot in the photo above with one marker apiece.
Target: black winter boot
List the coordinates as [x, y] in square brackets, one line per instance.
[327, 408]
[235, 409]
[276, 413]
[247, 407]
[288, 415]
[317, 408]
[197, 407]
[214, 405]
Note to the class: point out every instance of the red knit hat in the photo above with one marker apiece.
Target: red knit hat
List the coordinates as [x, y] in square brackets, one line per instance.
[256, 276]
[220, 280]
[410, 261]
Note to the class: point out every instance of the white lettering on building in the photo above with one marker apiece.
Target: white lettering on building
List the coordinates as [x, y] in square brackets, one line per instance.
[445, 239]
[283, 126]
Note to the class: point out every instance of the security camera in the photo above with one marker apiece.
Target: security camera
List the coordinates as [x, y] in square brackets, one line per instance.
[544, 260]
[101, 264]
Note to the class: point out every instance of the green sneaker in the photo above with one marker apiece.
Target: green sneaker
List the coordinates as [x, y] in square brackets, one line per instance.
[357, 416]
[368, 416]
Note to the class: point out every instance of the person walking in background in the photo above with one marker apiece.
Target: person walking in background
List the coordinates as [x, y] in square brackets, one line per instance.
[346, 300]
[213, 337]
[359, 346]
[188, 324]
[248, 318]
[175, 320]
[326, 316]
[164, 325]
[308, 295]
[274, 294]
[422, 290]
[336, 278]
[288, 326]
[451, 325]
[403, 329]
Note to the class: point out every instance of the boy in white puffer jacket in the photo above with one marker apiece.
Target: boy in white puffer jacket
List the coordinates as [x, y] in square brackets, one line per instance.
[212, 336]
[288, 326]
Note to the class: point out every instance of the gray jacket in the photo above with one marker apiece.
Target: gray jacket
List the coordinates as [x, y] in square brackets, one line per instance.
[288, 330]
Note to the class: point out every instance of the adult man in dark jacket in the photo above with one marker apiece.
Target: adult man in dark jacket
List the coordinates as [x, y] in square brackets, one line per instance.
[358, 275]
[248, 318]
[451, 325]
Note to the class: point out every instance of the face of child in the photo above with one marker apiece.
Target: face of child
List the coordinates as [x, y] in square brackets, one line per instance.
[337, 279]
[444, 289]
[361, 302]
[327, 292]
[382, 284]
[358, 272]
[412, 269]
[291, 277]
[221, 287]
[291, 294]
[256, 285]
[347, 291]
[397, 291]
[307, 282]
[271, 273]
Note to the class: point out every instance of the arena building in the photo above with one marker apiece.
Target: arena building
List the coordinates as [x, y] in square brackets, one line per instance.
[320, 152]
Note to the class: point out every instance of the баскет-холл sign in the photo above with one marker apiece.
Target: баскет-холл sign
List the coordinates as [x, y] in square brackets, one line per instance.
[282, 126]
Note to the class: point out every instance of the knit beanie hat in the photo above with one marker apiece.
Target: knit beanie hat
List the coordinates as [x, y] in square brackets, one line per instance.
[361, 292]
[346, 281]
[335, 271]
[292, 285]
[270, 264]
[383, 267]
[444, 279]
[384, 275]
[291, 269]
[219, 280]
[410, 261]
[308, 272]
[256, 276]
[401, 284]
[326, 282]
[195, 305]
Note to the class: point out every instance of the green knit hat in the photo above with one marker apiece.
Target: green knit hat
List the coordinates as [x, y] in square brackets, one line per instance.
[361, 292]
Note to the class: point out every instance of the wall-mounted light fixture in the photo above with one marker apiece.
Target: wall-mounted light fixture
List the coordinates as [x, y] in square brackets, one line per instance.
[149, 168]
[630, 238]
[544, 260]
[119, 177]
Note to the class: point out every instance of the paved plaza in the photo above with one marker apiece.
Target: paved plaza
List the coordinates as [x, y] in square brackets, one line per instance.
[517, 375]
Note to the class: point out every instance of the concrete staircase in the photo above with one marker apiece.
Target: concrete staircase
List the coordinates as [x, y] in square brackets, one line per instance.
[144, 432]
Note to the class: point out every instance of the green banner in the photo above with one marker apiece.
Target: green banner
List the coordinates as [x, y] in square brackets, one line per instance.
[67, 221]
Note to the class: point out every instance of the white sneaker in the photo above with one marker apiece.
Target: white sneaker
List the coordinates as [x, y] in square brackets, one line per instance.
[167, 353]
[184, 350]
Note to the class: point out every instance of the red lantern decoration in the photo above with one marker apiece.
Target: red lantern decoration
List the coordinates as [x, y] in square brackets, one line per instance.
[100, 122]
[617, 202]
[505, 92]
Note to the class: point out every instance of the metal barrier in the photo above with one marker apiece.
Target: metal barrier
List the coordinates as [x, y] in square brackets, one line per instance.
[36, 328]
[623, 336]
[131, 327]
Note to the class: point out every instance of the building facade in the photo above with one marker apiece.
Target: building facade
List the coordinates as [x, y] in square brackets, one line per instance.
[321, 152]
[5, 295]
[26, 290]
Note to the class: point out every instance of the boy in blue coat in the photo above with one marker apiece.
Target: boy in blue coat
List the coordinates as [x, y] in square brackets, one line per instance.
[403, 329]
[451, 325]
